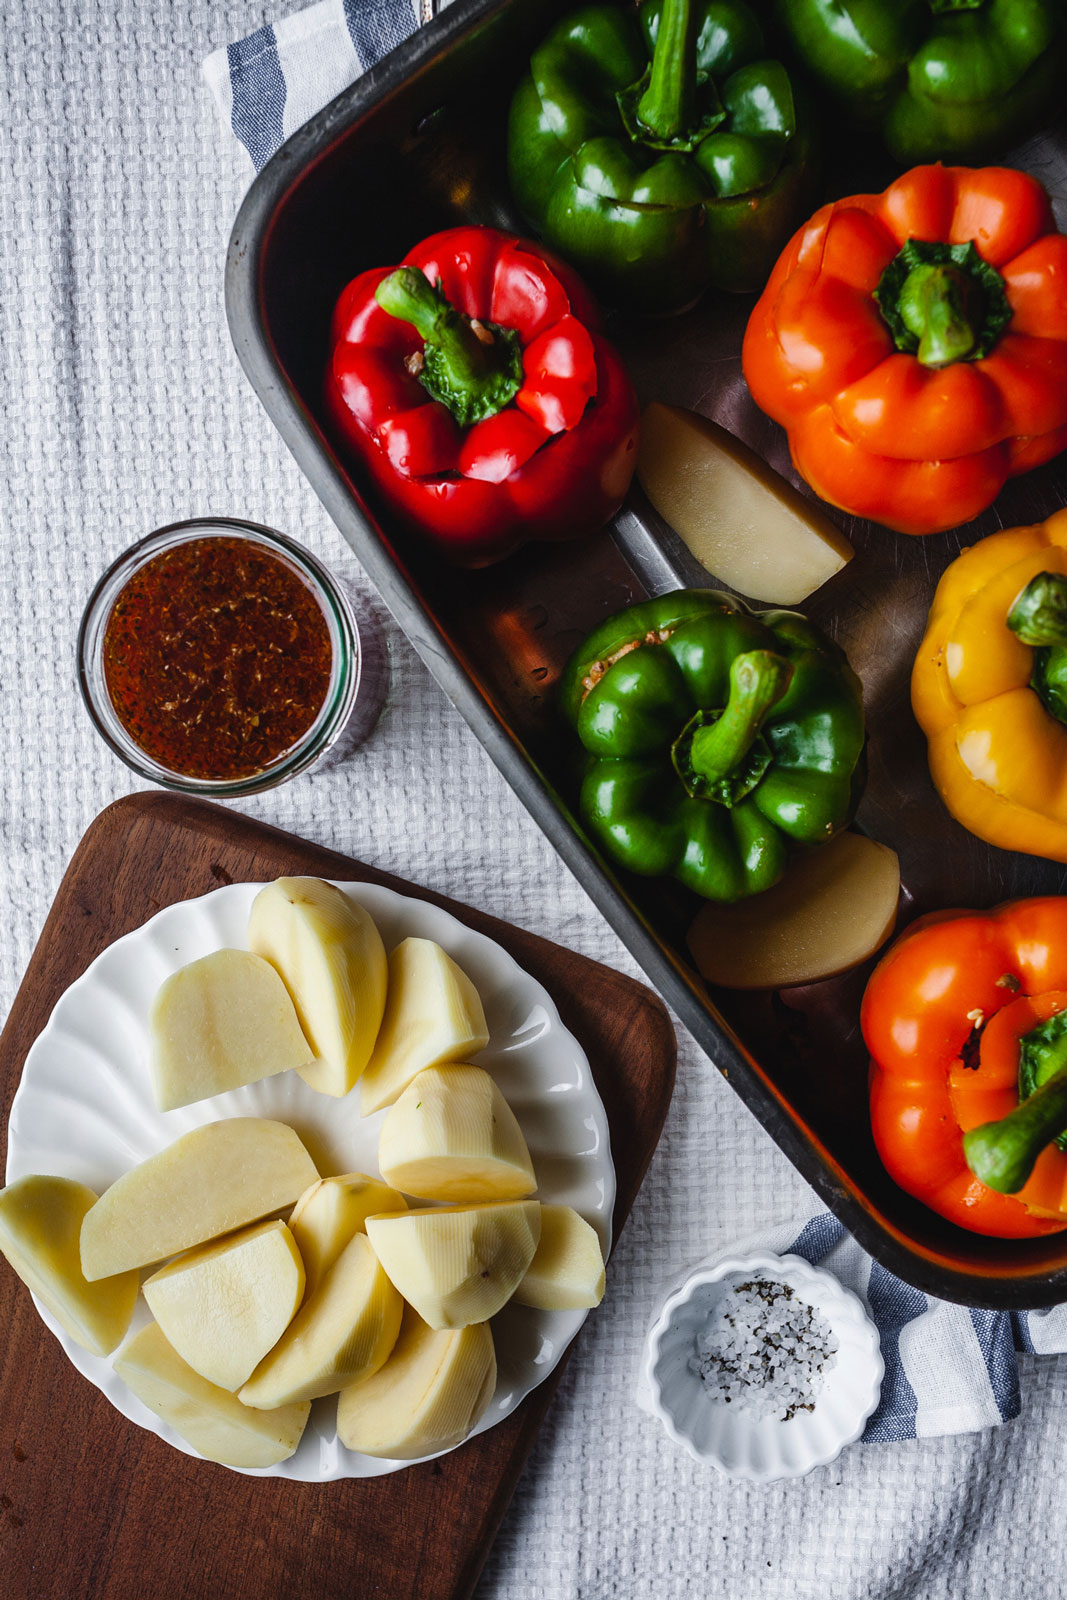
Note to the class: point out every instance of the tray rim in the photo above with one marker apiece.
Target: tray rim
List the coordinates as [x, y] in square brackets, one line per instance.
[672, 978]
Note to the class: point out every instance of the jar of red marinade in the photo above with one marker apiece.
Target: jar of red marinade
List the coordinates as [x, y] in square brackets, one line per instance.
[220, 658]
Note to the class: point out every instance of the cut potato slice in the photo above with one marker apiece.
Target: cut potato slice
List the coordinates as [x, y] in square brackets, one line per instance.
[432, 1015]
[221, 1022]
[332, 960]
[431, 1392]
[453, 1136]
[743, 522]
[40, 1235]
[833, 909]
[210, 1181]
[458, 1264]
[567, 1271]
[211, 1419]
[223, 1306]
[330, 1213]
[343, 1333]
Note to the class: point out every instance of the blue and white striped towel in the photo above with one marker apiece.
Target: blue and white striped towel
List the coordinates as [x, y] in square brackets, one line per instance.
[948, 1368]
[265, 86]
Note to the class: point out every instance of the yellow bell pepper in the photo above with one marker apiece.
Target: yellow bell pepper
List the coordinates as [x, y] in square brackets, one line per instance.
[986, 690]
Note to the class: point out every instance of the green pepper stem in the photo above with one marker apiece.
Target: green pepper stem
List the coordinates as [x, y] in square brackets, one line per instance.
[668, 106]
[758, 680]
[1038, 616]
[934, 305]
[943, 302]
[1002, 1154]
[471, 368]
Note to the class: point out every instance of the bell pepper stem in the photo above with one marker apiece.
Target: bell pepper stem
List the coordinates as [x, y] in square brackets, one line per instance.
[473, 369]
[1002, 1154]
[1038, 615]
[943, 302]
[758, 680]
[934, 304]
[668, 106]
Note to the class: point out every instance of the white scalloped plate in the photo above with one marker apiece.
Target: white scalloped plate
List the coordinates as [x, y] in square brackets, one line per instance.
[84, 1109]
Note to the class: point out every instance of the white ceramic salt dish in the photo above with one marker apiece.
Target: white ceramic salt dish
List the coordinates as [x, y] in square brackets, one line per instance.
[731, 1439]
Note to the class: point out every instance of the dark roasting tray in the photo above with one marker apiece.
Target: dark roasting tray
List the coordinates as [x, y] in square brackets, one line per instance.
[416, 145]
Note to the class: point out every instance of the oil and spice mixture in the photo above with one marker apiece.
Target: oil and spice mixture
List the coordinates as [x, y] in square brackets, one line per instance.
[217, 658]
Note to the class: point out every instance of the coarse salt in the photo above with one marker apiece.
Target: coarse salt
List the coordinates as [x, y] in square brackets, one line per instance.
[764, 1350]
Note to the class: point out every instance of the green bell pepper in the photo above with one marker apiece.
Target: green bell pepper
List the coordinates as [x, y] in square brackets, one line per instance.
[946, 80]
[714, 739]
[660, 151]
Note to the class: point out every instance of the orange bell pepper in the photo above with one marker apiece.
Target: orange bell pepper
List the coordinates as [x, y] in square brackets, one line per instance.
[914, 345]
[980, 689]
[945, 1016]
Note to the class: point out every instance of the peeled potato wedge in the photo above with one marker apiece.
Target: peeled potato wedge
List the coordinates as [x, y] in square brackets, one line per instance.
[433, 1015]
[458, 1264]
[210, 1181]
[211, 1419]
[567, 1271]
[40, 1236]
[835, 907]
[330, 1213]
[343, 1333]
[744, 523]
[431, 1392]
[221, 1022]
[453, 1136]
[332, 961]
[224, 1305]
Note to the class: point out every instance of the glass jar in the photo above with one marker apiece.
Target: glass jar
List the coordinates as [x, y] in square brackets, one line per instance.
[358, 680]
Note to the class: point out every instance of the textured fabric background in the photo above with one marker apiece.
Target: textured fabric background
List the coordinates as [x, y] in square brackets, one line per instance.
[124, 408]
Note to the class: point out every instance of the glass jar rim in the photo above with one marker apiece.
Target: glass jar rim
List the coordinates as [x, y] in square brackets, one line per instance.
[344, 640]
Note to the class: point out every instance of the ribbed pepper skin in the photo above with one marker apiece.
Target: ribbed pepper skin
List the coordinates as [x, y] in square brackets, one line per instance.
[634, 684]
[652, 227]
[553, 463]
[997, 758]
[919, 448]
[944, 81]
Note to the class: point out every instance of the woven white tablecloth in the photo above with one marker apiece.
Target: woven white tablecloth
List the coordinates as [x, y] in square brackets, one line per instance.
[124, 408]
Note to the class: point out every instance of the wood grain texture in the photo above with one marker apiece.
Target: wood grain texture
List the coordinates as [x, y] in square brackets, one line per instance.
[94, 1508]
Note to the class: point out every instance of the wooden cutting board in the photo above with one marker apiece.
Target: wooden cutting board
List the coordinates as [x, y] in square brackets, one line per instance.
[93, 1506]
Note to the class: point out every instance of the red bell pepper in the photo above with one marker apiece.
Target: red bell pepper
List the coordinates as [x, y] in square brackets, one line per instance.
[474, 386]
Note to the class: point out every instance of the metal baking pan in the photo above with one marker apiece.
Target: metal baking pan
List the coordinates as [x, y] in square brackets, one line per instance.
[416, 145]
